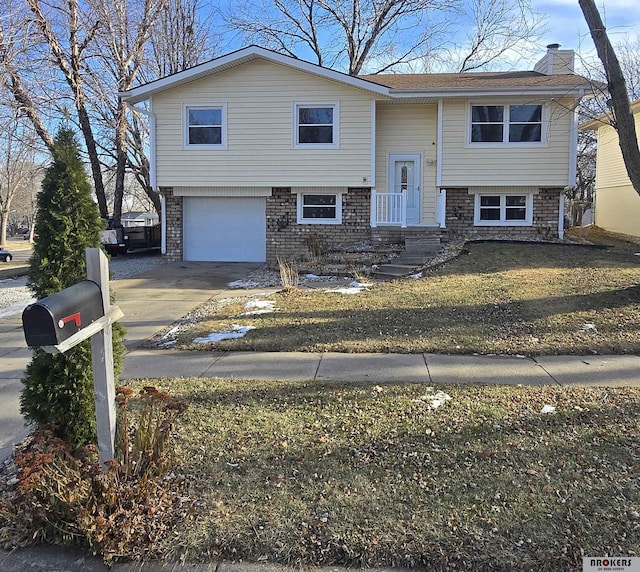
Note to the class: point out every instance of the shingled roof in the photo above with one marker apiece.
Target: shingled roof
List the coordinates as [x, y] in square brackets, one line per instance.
[476, 80]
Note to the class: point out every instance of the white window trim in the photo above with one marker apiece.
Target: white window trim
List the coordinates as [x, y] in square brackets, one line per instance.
[336, 124]
[336, 220]
[185, 124]
[505, 126]
[503, 222]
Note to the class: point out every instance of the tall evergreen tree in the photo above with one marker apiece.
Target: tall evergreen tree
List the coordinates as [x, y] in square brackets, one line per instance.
[58, 388]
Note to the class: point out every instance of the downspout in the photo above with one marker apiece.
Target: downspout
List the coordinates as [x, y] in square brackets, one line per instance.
[372, 175]
[441, 217]
[152, 169]
[439, 144]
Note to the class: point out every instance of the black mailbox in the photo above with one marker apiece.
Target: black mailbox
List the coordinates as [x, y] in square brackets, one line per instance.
[55, 318]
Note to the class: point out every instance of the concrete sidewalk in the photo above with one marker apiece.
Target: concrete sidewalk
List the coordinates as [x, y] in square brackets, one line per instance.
[612, 370]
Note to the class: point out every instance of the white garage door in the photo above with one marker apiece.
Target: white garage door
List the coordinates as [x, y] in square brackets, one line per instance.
[225, 229]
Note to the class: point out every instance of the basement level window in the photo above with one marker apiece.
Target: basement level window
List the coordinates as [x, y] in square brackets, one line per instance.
[315, 208]
[503, 210]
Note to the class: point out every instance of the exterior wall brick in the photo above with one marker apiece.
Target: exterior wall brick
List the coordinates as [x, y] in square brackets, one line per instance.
[289, 240]
[174, 217]
[460, 217]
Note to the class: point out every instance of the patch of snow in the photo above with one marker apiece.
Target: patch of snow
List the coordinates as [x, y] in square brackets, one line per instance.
[265, 304]
[263, 307]
[356, 284]
[247, 284]
[343, 290]
[354, 287]
[548, 409]
[434, 400]
[172, 331]
[312, 276]
[236, 332]
[439, 399]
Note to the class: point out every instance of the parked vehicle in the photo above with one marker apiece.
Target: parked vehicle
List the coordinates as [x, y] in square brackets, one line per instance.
[118, 239]
[5, 255]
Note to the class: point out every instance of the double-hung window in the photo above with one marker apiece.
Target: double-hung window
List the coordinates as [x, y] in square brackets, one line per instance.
[319, 208]
[205, 126]
[503, 210]
[506, 123]
[316, 125]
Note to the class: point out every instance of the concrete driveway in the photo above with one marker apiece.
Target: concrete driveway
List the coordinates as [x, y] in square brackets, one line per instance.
[150, 302]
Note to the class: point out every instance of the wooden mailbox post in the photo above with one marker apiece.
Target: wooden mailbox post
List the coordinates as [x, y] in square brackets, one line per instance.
[44, 328]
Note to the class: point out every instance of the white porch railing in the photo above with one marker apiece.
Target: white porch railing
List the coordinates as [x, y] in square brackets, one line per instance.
[441, 208]
[388, 209]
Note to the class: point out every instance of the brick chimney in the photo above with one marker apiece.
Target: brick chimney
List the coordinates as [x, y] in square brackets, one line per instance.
[556, 61]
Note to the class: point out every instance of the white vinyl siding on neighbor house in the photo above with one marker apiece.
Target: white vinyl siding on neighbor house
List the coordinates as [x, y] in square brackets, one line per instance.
[467, 164]
[260, 100]
[408, 129]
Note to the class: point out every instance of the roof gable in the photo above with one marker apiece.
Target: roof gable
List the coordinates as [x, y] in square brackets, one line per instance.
[388, 86]
[239, 58]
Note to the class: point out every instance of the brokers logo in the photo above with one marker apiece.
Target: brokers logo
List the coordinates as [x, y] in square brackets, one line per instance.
[610, 564]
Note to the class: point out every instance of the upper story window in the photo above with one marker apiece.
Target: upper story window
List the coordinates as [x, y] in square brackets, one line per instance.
[205, 126]
[506, 123]
[316, 125]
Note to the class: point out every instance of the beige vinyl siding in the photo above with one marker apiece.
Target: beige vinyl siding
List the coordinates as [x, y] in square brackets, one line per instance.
[409, 129]
[544, 165]
[617, 205]
[611, 171]
[617, 209]
[259, 98]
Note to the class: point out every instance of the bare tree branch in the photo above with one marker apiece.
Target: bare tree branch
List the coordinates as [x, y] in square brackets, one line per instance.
[623, 117]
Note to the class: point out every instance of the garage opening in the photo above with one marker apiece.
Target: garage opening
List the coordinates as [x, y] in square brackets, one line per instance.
[224, 229]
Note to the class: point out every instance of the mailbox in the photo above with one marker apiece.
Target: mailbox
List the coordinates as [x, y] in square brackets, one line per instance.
[57, 317]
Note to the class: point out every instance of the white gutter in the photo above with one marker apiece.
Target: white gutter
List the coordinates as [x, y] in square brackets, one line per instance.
[528, 91]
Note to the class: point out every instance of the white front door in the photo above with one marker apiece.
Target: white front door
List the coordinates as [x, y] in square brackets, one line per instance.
[404, 177]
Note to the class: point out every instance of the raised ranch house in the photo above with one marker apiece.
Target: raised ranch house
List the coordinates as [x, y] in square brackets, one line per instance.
[258, 155]
[616, 203]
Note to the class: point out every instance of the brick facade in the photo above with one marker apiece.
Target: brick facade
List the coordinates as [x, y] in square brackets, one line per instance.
[302, 242]
[288, 239]
[460, 217]
[174, 217]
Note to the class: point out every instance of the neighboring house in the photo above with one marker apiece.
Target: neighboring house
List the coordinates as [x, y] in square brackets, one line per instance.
[259, 155]
[137, 218]
[616, 204]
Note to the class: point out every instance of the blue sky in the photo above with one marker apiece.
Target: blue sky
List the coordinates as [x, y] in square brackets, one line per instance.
[566, 24]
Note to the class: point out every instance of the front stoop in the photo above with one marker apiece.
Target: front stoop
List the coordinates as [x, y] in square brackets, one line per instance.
[418, 250]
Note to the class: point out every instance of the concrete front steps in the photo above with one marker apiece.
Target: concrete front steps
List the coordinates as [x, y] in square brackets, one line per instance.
[418, 251]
